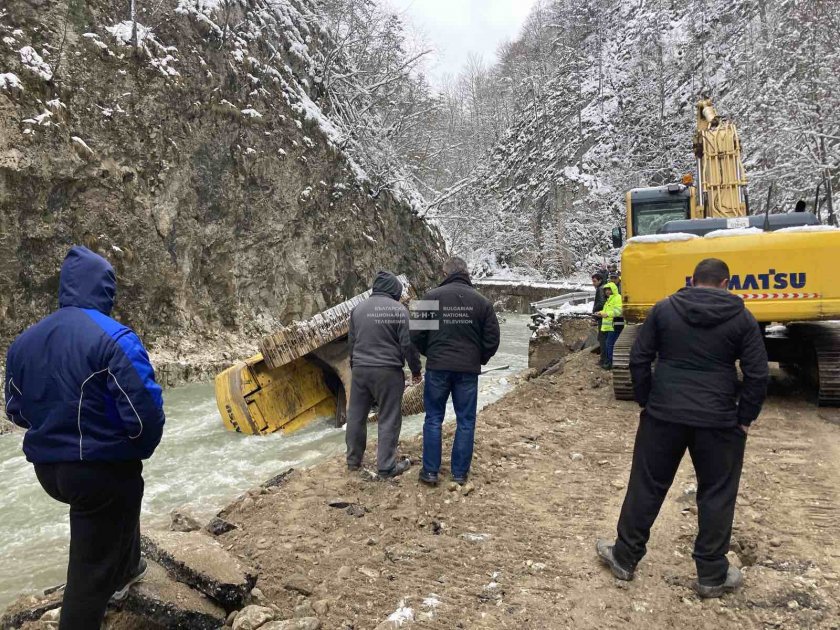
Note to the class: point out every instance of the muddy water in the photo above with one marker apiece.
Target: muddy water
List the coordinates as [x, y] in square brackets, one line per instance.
[198, 465]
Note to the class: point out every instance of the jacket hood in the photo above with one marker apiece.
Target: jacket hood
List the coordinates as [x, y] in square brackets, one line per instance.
[387, 283]
[87, 281]
[459, 276]
[612, 287]
[706, 308]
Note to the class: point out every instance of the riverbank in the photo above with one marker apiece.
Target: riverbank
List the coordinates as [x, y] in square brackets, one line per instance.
[515, 549]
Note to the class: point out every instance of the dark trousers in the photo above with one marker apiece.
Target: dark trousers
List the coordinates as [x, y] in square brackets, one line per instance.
[104, 499]
[602, 343]
[717, 455]
[463, 386]
[385, 387]
[612, 337]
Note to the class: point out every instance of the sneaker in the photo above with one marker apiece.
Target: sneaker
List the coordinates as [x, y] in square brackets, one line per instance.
[397, 470]
[459, 480]
[139, 574]
[430, 479]
[734, 580]
[605, 553]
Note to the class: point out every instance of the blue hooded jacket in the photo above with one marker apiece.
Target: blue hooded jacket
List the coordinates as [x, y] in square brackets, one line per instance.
[79, 382]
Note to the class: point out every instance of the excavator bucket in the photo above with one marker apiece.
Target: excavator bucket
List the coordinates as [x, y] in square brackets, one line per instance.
[301, 374]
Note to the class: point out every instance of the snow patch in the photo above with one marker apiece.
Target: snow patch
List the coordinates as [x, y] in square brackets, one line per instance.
[664, 238]
[81, 143]
[9, 81]
[122, 32]
[809, 228]
[33, 62]
[251, 113]
[734, 232]
[402, 614]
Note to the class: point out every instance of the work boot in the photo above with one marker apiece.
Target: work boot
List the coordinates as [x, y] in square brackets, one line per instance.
[605, 552]
[353, 468]
[397, 470]
[138, 574]
[459, 480]
[430, 479]
[734, 580]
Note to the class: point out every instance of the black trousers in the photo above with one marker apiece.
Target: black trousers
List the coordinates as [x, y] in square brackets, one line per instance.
[104, 499]
[717, 455]
[385, 387]
[602, 343]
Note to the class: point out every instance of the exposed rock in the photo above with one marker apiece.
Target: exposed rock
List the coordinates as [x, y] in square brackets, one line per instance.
[304, 610]
[164, 601]
[306, 623]
[252, 617]
[181, 521]
[321, 607]
[190, 199]
[278, 480]
[200, 561]
[29, 608]
[299, 584]
[218, 526]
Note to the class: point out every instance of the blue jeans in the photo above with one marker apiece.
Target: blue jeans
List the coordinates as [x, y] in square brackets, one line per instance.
[612, 336]
[464, 389]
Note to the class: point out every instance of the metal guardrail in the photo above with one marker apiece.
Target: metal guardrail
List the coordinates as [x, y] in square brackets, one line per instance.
[581, 297]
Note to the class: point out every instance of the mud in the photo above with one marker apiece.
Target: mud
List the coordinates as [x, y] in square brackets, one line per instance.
[515, 548]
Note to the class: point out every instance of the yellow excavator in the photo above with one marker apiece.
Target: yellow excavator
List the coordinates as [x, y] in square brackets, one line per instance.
[301, 374]
[781, 264]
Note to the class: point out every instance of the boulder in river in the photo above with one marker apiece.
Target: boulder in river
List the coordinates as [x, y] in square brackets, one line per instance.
[198, 560]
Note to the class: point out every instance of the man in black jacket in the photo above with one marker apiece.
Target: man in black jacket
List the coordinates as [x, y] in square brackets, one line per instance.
[380, 344]
[691, 401]
[456, 328]
[598, 281]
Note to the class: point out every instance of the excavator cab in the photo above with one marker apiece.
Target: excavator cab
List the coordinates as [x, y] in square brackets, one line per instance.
[649, 209]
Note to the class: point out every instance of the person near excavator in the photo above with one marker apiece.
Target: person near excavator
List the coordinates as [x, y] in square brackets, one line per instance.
[82, 386]
[598, 280]
[692, 402]
[612, 309]
[379, 344]
[457, 329]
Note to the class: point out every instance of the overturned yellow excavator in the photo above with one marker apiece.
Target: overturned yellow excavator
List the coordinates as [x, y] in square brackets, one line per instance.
[782, 264]
[301, 374]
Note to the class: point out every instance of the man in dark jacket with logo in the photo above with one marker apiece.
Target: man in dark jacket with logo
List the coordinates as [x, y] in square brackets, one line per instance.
[81, 385]
[692, 402]
[456, 328]
[380, 344]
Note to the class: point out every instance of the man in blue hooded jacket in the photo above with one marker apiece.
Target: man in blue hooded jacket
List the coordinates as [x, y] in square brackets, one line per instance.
[81, 385]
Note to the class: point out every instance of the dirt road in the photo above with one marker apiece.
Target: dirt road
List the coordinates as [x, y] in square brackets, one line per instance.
[552, 460]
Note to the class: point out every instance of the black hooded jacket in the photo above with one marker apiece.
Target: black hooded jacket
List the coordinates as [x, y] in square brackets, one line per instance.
[696, 336]
[379, 328]
[461, 332]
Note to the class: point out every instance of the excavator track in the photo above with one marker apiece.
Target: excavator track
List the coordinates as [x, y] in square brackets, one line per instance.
[824, 340]
[622, 383]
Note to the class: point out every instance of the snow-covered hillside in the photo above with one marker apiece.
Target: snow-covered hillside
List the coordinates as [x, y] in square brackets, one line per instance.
[598, 98]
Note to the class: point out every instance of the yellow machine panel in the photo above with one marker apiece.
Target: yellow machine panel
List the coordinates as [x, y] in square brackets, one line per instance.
[782, 276]
[255, 399]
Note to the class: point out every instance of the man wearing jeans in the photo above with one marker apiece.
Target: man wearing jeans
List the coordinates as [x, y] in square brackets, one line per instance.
[457, 330]
[81, 385]
[692, 402]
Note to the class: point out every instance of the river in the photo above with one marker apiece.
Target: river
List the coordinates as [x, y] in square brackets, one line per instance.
[198, 465]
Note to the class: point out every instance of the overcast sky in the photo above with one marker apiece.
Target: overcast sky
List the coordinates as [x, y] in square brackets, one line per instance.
[458, 27]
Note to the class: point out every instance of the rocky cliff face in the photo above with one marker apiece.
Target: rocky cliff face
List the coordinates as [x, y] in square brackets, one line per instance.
[197, 158]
